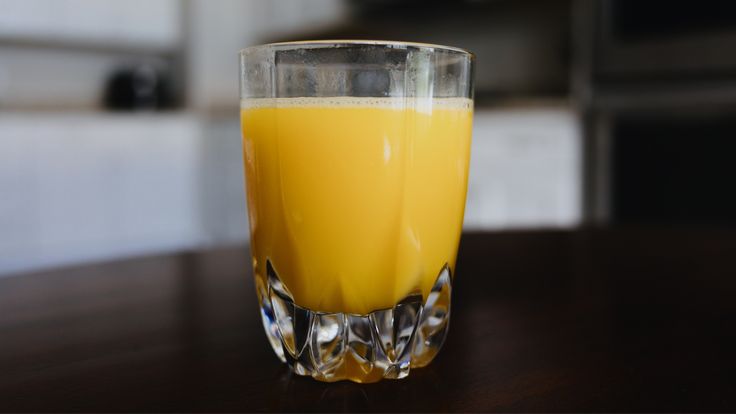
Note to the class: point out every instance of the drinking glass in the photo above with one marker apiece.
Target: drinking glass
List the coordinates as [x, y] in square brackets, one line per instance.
[356, 159]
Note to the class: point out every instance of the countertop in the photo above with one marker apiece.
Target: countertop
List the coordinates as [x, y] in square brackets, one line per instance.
[587, 320]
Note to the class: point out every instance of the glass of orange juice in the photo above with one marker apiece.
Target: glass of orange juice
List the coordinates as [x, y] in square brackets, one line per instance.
[356, 159]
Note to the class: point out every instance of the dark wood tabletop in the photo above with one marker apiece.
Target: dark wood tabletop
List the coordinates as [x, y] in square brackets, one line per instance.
[591, 320]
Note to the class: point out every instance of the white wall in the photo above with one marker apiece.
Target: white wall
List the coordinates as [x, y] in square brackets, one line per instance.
[147, 24]
[217, 30]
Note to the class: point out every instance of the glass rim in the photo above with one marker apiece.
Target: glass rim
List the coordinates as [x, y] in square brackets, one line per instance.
[352, 42]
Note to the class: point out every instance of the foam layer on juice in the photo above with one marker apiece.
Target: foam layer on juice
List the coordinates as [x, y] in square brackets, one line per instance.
[360, 102]
[356, 202]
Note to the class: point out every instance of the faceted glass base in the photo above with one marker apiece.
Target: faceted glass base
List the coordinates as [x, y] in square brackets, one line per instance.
[362, 348]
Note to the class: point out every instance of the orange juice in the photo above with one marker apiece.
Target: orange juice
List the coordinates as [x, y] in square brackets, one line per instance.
[356, 202]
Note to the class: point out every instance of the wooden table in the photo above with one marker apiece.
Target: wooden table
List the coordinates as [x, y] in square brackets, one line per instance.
[624, 320]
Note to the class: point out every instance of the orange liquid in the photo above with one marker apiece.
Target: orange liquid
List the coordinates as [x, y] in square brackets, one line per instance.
[356, 202]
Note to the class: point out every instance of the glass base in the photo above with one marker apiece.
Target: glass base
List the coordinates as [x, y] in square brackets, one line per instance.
[361, 348]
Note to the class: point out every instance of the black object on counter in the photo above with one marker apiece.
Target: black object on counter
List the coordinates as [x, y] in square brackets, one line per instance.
[138, 87]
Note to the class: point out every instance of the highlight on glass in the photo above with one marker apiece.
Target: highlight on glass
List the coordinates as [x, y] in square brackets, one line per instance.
[356, 159]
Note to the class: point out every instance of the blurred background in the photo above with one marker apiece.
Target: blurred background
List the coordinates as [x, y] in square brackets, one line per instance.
[119, 129]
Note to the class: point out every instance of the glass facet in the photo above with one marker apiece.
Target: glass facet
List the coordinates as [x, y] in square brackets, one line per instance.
[356, 159]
